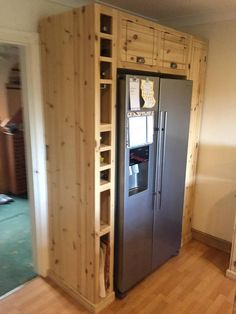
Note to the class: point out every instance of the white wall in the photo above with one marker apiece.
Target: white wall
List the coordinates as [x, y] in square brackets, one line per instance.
[23, 15]
[215, 199]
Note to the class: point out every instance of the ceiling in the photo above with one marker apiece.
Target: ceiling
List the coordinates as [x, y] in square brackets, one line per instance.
[162, 10]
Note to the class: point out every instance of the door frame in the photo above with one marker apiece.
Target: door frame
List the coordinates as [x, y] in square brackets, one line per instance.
[35, 142]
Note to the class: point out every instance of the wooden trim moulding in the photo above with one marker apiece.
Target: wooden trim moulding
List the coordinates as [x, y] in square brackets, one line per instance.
[231, 274]
[212, 241]
[92, 308]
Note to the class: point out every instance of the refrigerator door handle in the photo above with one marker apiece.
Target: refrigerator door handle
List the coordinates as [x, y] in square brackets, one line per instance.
[161, 158]
[157, 151]
[158, 162]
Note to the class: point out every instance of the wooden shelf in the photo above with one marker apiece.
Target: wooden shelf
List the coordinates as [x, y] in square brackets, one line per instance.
[105, 35]
[102, 182]
[104, 228]
[106, 81]
[104, 148]
[104, 166]
[105, 59]
[104, 185]
[104, 127]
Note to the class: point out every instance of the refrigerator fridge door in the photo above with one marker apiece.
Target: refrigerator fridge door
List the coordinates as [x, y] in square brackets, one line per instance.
[134, 204]
[173, 127]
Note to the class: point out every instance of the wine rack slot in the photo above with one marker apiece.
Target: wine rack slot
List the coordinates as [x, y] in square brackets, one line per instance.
[105, 176]
[105, 104]
[105, 208]
[105, 158]
[106, 24]
[105, 265]
[106, 47]
[106, 72]
[105, 141]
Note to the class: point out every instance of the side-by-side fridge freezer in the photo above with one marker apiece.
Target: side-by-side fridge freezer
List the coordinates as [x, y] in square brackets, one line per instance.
[153, 126]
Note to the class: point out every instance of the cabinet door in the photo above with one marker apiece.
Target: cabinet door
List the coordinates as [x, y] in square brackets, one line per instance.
[137, 43]
[174, 52]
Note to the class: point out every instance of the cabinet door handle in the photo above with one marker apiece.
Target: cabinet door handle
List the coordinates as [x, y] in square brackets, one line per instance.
[140, 60]
[173, 65]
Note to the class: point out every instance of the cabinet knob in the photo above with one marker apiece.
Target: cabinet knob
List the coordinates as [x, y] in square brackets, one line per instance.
[135, 37]
[140, 60]
[173, 65]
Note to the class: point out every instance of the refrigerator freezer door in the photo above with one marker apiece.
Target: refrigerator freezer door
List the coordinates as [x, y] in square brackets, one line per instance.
[173, 125]
[134, 206]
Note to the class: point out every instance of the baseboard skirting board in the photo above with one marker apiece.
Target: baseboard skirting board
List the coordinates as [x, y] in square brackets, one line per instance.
[212, 241]
[231, 274]
[92, 308]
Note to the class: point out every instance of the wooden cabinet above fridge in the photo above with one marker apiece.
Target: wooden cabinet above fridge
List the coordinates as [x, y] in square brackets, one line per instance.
[174, 52]
[147, 46]
[138, 43]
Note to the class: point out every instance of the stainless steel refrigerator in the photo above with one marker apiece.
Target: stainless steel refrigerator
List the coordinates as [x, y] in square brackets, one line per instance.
[153, 126]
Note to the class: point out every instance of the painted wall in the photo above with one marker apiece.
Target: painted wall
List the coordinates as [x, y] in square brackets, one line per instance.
[215, 198]
[24, 15]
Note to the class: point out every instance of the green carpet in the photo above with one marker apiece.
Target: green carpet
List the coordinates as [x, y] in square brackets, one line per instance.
[15, 245]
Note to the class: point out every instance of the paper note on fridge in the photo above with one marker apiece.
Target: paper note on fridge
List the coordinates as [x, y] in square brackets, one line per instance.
[134, 87]
[137, 131]
[147, 90]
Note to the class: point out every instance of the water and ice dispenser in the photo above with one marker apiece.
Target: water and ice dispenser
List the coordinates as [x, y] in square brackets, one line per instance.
[138, 169]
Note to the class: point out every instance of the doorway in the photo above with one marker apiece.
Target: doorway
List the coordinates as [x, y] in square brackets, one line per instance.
[16, 262]
[27, 45]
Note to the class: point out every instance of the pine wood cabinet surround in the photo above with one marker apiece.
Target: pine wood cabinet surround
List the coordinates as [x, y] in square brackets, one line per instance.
[81, 51]
[174, 52]
[79, 82]
[197, 74]
[148, 46]
[138, 42]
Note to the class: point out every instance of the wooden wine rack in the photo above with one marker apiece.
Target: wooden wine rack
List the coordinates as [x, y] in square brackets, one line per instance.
[79, 70]
[105, 79]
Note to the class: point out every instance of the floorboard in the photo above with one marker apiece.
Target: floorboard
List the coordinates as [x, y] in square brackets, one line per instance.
[193, 282]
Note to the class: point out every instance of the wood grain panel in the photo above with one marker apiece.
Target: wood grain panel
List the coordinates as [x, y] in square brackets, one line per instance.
[174, 52]
[197, 74]
[57, 49]
[71, 79]
[140, 43]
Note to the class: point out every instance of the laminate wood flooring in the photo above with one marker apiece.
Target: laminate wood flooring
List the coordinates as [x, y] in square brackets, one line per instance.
[193, 282]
